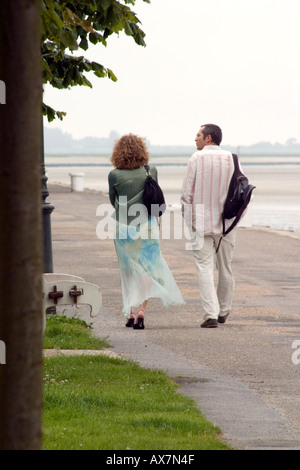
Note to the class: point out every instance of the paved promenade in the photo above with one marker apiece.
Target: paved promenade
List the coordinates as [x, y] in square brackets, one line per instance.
[241, 374]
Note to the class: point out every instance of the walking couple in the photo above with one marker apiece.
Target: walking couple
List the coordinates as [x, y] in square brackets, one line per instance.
[143, 270]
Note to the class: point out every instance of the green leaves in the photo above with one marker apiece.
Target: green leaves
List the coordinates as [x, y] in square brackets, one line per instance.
[51, 113]
[69, 26]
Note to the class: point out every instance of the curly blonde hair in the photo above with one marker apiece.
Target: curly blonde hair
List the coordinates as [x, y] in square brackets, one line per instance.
[130, 152]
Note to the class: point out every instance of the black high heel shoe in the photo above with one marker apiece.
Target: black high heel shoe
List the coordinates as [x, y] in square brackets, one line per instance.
[130, 322]
[140, 324]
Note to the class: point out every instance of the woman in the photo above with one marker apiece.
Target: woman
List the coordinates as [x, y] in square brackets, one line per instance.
[143, 270]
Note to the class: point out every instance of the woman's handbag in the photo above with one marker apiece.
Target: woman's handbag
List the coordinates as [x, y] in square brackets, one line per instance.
[153, 197]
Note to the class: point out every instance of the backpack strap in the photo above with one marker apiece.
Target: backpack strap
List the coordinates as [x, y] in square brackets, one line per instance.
[147, 168]
[219, 244]
[236, 163]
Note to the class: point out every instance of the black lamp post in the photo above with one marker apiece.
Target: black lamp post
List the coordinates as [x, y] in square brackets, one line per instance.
[47, 210]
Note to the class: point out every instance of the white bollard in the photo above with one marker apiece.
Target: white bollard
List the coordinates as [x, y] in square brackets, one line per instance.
[76, 181]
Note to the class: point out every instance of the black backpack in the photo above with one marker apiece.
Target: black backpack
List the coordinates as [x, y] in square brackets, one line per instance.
[153, 197]
[238, 198]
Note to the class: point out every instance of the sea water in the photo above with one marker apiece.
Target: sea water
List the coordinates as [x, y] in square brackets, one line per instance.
[275, 202]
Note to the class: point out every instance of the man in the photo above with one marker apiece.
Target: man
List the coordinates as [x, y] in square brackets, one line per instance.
[205, 188]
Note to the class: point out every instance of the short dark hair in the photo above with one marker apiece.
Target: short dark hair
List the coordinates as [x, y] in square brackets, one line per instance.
[214, 131]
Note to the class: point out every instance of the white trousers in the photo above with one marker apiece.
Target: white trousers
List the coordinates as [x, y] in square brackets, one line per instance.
[215, 299]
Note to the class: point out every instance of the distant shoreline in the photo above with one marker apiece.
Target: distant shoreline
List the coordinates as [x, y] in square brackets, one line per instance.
[165, 160]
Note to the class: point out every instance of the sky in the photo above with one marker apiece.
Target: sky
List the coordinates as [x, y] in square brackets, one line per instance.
[235, 63]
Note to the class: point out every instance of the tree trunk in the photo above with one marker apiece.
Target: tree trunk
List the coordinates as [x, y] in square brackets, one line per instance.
[21, 252]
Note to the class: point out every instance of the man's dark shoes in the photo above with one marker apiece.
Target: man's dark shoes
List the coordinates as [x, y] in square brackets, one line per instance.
[210, 323]
[222, 319]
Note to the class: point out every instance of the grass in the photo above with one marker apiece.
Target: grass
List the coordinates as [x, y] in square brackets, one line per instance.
[100, 403]
[70, 333]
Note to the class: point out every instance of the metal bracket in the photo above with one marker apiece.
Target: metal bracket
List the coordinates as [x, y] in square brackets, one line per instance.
[55, 294]
[74, 292]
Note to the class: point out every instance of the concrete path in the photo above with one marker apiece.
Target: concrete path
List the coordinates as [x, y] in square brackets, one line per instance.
[244, 374]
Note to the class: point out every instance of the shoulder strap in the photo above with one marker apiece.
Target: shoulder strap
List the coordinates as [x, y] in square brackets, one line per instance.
[231, 227]
[147, 168]
[236, 163]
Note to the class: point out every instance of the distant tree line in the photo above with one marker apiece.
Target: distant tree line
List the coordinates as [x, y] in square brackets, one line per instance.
[58, 142]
